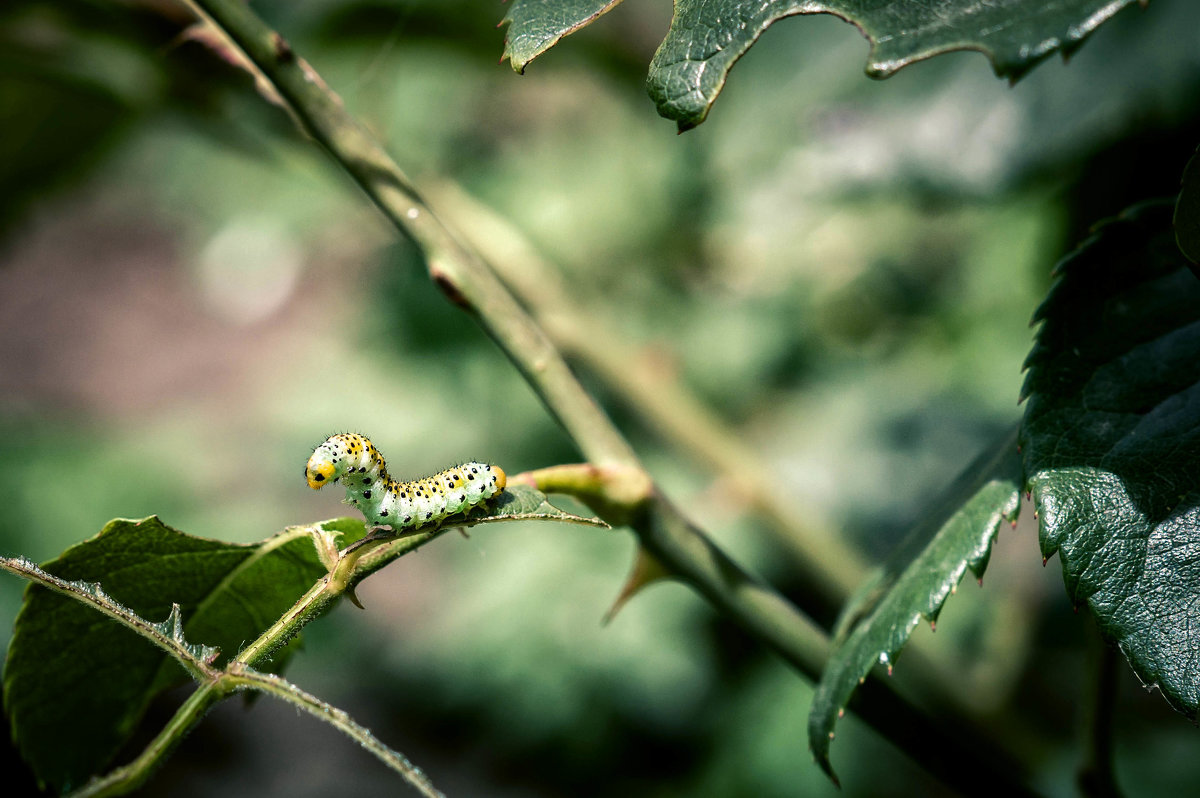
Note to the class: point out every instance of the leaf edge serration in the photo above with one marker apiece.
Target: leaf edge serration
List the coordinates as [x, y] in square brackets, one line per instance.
[844, 673]
[887, 54]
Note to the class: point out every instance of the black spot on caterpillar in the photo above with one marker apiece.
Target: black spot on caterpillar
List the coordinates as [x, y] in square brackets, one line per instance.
[386, 502]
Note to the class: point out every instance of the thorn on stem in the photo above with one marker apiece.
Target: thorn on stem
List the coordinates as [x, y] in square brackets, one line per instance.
[283, 50]
[447, 287]
[646, 571]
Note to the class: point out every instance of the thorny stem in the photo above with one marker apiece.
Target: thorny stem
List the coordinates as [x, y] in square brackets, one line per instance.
[950, 750]
[308, 607]
[468, 282]
[355, 563]
[453, 267]
[829, 569]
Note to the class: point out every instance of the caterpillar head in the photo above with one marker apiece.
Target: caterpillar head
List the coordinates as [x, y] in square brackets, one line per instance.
[320, 470]
[337, 455]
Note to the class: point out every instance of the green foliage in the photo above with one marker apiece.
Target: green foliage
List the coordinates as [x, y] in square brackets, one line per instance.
[1110, 441]
[841, 268]
[707, 37]
[915, 584]
[76, 684]
[534, 26]
[523, 503]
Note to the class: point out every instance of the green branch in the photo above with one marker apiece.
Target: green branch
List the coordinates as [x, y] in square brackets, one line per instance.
[468, 282]
[456, 270]
[829, 568]
[949, 748]
[128, 778]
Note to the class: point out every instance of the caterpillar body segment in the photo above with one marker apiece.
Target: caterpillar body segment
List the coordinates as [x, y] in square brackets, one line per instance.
[354, 461]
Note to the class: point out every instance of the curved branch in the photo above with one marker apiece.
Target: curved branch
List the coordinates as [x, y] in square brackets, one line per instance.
[468, 282]
[242, 678]
[456, 269]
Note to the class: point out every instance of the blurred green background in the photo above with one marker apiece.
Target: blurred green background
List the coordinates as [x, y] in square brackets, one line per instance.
[192, 296]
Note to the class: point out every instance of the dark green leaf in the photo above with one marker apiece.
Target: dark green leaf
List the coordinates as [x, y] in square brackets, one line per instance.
[1187, 213]
[76, 683]
[707, 37]
[1111, 442]
[916, 583]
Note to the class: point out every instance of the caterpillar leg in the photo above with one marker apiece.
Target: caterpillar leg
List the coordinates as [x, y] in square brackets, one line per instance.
[477, 512]
[420, 530]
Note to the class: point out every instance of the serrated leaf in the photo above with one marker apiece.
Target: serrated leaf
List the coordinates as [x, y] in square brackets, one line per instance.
[707, 37]
[1187, 214]
[525, 503]
[1111, 442]
[916, 583]
[76, 683]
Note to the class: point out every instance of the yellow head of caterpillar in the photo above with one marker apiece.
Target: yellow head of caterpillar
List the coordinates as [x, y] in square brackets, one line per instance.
[501, 478]
[319, 470]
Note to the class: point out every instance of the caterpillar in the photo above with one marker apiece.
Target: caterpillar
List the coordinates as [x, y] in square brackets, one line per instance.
[354, 460]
